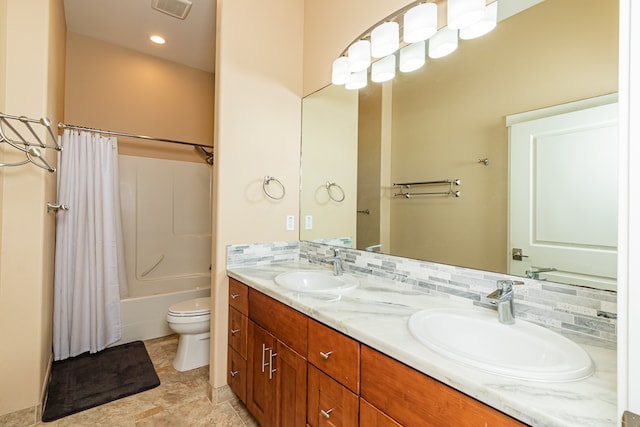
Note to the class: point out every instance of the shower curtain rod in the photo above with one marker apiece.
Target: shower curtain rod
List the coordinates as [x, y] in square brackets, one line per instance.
[129, 135]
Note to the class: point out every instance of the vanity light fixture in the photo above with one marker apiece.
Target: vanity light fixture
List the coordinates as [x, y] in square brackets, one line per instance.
[385, 39]
[462, 13]
[157, 39]
[466, 19]
[384, 69]
[420, 22]
[485, 25]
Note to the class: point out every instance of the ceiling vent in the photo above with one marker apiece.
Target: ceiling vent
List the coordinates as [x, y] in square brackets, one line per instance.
[176, 8]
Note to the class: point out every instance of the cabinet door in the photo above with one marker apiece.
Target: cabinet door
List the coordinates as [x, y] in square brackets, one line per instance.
[329, 403]
[261, 391]
[291, 383]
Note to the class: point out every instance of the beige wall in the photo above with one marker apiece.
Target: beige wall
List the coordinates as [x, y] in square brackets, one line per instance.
[33, 77]
[452, 113]
[113, 88]
[258, 96]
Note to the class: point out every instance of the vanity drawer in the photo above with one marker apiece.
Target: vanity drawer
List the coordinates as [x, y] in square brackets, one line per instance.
[239, 296]
[237, 374]
[285, 323]
[329, 403]
[334, 354]
[238, 324]
[432, 403]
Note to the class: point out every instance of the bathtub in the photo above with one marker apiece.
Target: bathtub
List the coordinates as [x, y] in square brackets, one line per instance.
[145, 317]
[166, 220]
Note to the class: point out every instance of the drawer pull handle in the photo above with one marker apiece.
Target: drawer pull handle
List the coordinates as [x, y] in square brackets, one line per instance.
[234, 331]
[325, 355]
[327, 413]
[264, 351]
[234, 296]
[272, 370]
[233, 373]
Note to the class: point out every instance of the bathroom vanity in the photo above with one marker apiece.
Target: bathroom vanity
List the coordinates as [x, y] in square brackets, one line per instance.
[314, 358]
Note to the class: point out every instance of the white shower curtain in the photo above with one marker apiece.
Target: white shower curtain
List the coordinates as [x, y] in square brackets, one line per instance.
[89, 262]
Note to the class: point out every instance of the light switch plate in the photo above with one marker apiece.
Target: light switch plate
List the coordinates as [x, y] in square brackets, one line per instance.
[291, 222]
[308, 222]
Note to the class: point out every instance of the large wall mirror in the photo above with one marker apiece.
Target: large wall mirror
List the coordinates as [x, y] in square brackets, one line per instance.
[449, 121]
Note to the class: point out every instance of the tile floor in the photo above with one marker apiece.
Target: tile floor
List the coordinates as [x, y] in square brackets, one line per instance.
[180, 400]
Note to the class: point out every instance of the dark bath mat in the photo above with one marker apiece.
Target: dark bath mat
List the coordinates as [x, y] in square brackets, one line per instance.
[89, 380]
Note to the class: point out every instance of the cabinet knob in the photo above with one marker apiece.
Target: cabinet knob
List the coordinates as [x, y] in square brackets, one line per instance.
[234, 296]
[327, 413]
[325, 355]
[234, 331]
[233, 373]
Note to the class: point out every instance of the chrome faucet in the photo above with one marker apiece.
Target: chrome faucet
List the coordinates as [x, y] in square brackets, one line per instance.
[503, 299]
[535, 274]
[336, 259]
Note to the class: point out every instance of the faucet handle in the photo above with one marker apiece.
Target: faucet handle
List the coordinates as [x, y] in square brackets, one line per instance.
[506, 285]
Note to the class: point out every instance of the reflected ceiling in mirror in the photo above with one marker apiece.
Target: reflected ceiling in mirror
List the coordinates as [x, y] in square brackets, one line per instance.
[440, 123]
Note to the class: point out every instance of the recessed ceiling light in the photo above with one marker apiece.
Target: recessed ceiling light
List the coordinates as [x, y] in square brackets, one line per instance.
[157, 39]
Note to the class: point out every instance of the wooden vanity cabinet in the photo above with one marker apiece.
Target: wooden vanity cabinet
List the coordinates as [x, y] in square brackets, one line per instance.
[414, 399]
[237, 338]
[291, 370]
[276, 369]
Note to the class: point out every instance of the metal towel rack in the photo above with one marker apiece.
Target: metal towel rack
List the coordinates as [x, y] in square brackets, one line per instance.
[406, 185]
[32, 150]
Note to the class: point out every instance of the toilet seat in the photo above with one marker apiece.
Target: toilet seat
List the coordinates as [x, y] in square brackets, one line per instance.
[191, 308]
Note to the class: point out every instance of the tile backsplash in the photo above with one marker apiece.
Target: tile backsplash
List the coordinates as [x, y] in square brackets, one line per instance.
[587, 312]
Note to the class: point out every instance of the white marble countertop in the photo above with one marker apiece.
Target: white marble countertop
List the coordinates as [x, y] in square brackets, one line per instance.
[376, 314]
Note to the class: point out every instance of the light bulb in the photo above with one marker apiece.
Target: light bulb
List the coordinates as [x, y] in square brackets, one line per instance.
[384, 69]
[359, 55]
[340, 71]
[385, 39]
[462, 13]
[357, 80]
[484, 25]
[412, 57]
[443, 43]
[420, 22]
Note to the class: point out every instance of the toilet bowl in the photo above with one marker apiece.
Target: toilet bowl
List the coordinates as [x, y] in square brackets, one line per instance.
[190, 319]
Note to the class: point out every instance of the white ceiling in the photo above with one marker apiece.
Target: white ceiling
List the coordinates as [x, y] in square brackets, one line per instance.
[129, 23]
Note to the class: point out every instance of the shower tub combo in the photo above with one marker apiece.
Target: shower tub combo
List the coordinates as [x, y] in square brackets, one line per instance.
[166, 219]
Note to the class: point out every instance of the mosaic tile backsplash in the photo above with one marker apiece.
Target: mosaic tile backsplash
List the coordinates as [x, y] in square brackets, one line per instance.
[584, 311]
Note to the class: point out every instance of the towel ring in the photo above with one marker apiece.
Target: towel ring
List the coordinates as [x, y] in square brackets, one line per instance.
[329, 185]
[265, 184]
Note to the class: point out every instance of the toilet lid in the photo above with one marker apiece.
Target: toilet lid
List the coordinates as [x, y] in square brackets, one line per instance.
[192, 307]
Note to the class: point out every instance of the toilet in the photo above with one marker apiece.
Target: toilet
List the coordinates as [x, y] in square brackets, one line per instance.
[190, 319]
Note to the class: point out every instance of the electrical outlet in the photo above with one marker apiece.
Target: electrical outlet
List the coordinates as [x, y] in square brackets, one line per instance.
[308, 222]
[291, 222]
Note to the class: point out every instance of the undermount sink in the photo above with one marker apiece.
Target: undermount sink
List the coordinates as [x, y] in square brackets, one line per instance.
[521, 351]
[316, 281]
